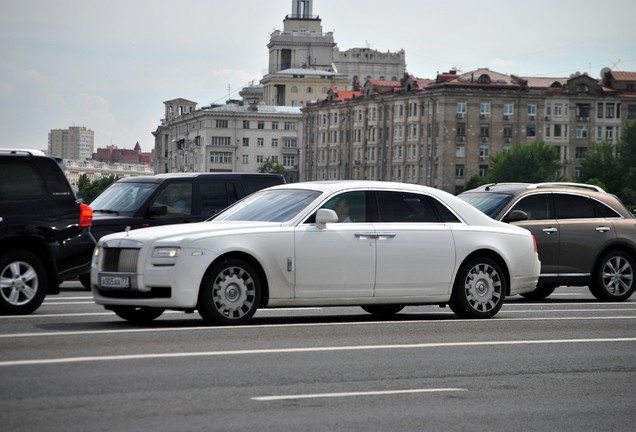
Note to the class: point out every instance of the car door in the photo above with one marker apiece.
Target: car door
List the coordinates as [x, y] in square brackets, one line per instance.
[542, 223]
[336, 261]
[415, 250]
[177, 197]
[582, 233]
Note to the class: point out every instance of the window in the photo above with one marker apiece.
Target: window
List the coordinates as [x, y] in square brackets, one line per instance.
[537, 206]
[484, 109]
[573, 207]
[461, 130]
[310, 89]
[508, 108]
[274, 142]
[221, 141]
[274, 125]
[507, 131]
[462, 107]
[20, 181]
[484, 151]
[246, 159]
[259, 159]
[459, 170]
[581, 131]
[177, 198]
[579, 152]
[246, 142]
[631, 112]
[221, 124]
[460, 150]
[483, 170]
[289, 142]
[532, 110]
[609, 110]
[484, 131]
[582, 112]
[558, 109]
[246, 124]
[215, 196]
[409, 207]
[289, 161]
[294, 89]
[261, 124]
[221, 157]
[259, 142]
[531, 131]
[290, 126]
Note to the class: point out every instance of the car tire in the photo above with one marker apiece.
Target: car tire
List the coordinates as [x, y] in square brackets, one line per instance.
[382, 310]
[479, 289]
[540, 292]
[23, 283]
[139, 315]
[230, 293]
[613, 278]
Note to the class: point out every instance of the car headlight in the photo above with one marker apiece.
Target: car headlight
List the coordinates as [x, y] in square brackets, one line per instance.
[166, 252]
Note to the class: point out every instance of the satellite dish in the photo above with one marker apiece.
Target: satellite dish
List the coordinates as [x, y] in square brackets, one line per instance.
[605, 71]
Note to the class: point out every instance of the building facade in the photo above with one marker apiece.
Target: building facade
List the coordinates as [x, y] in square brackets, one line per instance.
[235, 137]
[72, 143]
[442, 132]
[96, 170]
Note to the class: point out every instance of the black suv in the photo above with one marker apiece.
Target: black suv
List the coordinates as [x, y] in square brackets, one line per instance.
[44, 230]
[584, 235]
[163, 199]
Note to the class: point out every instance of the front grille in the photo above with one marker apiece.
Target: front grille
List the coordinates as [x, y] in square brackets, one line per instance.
[120, 260]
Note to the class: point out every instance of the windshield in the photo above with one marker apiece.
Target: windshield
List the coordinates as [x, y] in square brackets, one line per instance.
[278, 205]
[489, 203]
[123, 197]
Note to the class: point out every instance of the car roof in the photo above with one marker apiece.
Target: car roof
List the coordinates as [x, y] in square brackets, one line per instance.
[159, 178]
[517, 187]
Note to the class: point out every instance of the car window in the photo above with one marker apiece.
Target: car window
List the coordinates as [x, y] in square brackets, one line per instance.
[489, 203]
[604, 211]
[573, 207]
[123, 197]
[537, 206]
[177, 197]
[269, 206]
[405, 207]
[256, 183]
[19, 181]
[215, 196]
[349, 206]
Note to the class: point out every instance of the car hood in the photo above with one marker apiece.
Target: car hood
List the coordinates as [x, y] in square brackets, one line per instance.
[192, 231]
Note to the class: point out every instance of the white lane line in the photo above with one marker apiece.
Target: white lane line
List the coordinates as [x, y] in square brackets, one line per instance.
[151, 356]
[280, 326]
[350, 394]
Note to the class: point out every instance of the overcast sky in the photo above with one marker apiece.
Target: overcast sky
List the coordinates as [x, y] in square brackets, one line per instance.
[110, 65]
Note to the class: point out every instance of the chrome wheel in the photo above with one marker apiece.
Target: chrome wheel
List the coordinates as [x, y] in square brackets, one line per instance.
[231, 293]
[479, 290]
[22, 283]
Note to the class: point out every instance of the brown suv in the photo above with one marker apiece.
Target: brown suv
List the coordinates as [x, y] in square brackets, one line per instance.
[584, 235]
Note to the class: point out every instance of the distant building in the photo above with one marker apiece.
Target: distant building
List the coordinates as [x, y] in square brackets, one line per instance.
[72, 143]
[113, 154]
[235, 137]
[96, 170]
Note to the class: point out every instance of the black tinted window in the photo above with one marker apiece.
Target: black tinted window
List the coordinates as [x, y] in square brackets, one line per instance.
[604, 211]
[20, 181]
[405, 207]
[215, 196]
[177, 197]
[256, 183]
[573, 207]
[537, 206]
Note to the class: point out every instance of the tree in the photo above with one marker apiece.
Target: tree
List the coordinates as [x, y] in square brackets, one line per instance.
[88, 190]
[532, 163]
[600, 166]
[271, 166]
[627, 165]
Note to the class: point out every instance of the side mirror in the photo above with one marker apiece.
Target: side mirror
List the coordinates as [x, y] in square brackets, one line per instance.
[325, 216]
[160, 210]
[515, 216]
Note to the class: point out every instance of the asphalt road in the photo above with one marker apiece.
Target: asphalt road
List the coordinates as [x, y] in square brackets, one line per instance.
[567, 363]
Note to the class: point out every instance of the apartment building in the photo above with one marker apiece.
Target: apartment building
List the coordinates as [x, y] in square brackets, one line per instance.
[442, 132]
[235, 137]
[73, 143]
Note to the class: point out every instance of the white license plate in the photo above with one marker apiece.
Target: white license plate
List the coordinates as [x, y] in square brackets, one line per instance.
[115, 282]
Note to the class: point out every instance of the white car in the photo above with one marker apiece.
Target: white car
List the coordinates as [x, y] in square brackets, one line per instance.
[378, 245]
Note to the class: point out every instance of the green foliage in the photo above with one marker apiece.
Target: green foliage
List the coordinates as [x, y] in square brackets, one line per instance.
[272, 167]
[88, 190]
[476, 181]
[532, 163]
[614, 166]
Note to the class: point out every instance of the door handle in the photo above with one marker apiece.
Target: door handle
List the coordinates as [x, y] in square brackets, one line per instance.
[602, 229]
[385, 235]
[365, 235]
[549, 230]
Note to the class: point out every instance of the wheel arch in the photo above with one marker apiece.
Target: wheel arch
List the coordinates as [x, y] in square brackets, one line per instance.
[39, 248]
[256, 265]
[489, 253]
[615, 247]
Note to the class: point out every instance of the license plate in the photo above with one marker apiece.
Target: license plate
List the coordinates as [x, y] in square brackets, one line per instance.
[115, 282]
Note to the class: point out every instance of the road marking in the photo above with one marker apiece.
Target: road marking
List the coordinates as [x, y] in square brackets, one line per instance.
[277, 326]
[153, 356]
[350, 394]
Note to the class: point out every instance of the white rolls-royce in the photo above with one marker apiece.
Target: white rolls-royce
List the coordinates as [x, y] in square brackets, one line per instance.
[378, 245]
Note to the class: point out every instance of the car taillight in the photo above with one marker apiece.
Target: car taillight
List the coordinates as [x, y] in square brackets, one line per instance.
[86, 216]
[534, 241]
